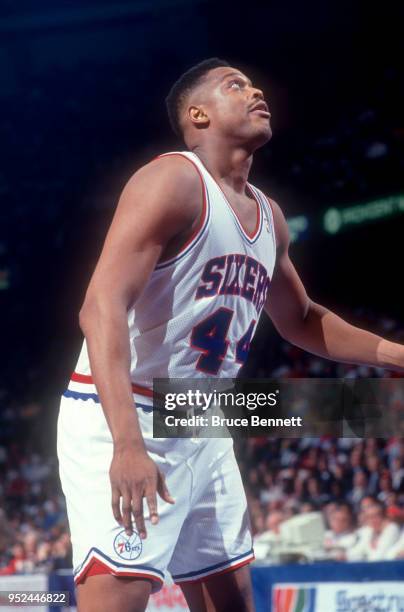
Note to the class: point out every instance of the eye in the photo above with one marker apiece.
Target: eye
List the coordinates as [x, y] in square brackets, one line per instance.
[236, 84]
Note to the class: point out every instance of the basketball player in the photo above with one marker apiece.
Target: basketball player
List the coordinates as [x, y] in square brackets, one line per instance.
[193, 254]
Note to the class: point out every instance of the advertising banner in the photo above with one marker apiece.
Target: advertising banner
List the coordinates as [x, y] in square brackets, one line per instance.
[383, 596]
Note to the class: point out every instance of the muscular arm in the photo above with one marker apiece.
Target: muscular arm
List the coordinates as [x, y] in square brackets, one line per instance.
[160, 205]
[315, 328]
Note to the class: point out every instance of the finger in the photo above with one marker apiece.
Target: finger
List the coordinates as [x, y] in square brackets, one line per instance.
[137, 510]
[162, 489]
[116, 509]
[151, 500]
[126, 512]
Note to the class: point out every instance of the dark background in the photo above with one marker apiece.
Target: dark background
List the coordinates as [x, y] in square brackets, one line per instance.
[82, 107]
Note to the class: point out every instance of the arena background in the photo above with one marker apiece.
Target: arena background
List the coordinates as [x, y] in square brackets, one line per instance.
[82, 107]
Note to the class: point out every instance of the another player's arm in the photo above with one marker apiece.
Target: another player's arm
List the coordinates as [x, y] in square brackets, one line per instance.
[159, 207]
[315, 328]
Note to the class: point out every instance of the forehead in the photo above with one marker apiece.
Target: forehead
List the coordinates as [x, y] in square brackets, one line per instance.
[217, 75]
[374, 511]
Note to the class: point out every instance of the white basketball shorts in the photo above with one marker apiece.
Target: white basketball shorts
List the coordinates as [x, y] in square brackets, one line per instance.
[205, 532]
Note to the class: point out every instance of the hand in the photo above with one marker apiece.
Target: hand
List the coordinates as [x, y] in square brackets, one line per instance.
[134, 476]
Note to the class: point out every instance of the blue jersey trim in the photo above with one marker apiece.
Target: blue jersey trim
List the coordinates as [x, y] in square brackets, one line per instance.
[95, 397]
[212, 567]
[79, 395]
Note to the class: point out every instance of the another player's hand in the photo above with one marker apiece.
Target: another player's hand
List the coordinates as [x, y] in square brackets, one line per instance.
[134, 475]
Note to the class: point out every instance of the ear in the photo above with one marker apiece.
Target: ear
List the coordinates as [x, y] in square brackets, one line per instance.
[198, 116]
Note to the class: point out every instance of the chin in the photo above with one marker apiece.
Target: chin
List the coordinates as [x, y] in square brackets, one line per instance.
[261, 137]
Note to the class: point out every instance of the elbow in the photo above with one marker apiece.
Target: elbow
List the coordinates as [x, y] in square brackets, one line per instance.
[83, 319]
[297, 326]
[291, 329]
[99, 308]
[87, 314]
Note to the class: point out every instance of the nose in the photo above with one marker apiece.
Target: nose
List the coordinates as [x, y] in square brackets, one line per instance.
[257, 93]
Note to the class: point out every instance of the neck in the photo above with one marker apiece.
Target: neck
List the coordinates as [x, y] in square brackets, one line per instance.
[228, 164]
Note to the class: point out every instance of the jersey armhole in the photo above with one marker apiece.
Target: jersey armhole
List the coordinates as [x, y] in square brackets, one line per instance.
[269, 205]
[203, 220]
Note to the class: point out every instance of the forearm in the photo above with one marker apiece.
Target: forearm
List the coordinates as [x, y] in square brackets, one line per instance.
[325, 334]
[105, 327]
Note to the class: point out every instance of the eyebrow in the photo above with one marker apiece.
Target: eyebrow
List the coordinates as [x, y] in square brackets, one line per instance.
[239, 74]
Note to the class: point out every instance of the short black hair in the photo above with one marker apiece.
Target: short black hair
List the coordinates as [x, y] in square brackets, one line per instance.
[344, 505]
[184, 85]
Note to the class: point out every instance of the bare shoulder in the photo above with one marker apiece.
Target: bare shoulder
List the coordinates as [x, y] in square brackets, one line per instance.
[281, 226]
[172, 168]
[162, 199]
[170, 182]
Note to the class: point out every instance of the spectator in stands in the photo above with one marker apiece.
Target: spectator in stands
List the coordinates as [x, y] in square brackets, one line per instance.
[360, 488]
[61, 553]
[373, 465]
[337, 491]
[263, 542]
[341, 535]
[314, 495]
[397, 550]
[366, 502]
[356, 458]
[272, 490]
[395, 514]
[43, 556]
[328, 509]
[397, 474]
[308, 506]
[16, 562]
[257, 516]
[6, 536]
[379, 534]
[385, 486]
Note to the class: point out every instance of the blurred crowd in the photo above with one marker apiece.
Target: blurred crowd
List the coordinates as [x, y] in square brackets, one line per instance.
[33, 529]
[356, 485]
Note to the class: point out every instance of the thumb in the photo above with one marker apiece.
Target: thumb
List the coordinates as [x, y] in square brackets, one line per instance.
[162, 489]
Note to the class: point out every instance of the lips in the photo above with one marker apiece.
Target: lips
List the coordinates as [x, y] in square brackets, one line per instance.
[262, 108]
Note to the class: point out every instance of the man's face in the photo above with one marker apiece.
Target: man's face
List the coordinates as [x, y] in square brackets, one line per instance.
[374, 517]
[340, 521]
[234, 107]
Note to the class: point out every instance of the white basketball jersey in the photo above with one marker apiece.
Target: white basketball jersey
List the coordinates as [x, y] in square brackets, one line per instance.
[199, 310]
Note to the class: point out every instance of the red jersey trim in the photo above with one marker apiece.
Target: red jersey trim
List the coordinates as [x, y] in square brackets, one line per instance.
[249, 235]
[96, 567]
[271, 210]
[254, 234]
[88, 379]
[203, 216]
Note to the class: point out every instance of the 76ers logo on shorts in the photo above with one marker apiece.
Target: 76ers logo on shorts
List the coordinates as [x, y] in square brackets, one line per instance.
[128, 547]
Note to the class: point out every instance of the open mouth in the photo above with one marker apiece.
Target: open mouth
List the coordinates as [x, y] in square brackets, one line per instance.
[262, 112]
[262, 109]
